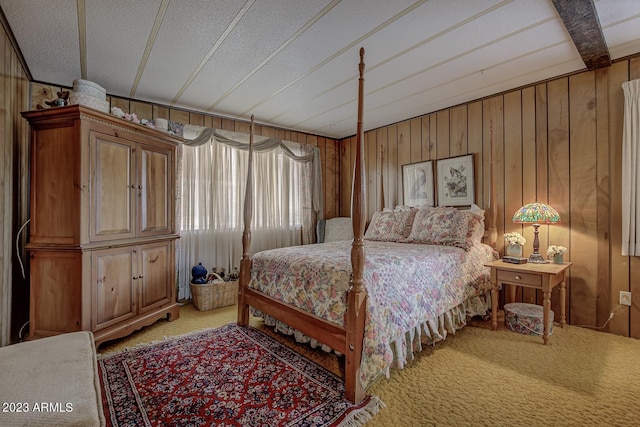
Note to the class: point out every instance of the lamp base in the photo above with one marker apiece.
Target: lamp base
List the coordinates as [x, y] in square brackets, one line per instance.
[537, 259]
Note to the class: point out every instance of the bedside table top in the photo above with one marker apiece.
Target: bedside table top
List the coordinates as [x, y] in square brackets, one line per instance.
[549, 268]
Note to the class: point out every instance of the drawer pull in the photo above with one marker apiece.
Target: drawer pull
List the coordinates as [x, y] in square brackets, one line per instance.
[518, 277]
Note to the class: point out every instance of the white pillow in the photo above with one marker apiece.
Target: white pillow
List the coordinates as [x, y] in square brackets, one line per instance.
[478, 232]
[338, 229]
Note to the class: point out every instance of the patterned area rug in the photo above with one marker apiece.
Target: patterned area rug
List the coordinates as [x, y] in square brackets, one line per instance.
[231, 376]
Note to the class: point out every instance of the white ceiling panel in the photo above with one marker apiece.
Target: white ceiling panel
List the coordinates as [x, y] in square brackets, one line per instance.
[102, 39]
[246, 48]
[48, 37]
[320, 44]
[187, 36]
[294, 63]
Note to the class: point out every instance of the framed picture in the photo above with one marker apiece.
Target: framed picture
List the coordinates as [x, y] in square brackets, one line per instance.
[455, 181]
[417, 184]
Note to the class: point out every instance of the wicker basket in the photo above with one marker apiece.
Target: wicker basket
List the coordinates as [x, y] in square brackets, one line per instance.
[214, 295]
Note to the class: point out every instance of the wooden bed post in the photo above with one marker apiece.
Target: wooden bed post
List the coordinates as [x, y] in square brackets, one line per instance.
[245, 262]
[493, 212]
[356, 304]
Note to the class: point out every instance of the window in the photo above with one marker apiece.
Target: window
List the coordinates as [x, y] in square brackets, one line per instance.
[213, 183]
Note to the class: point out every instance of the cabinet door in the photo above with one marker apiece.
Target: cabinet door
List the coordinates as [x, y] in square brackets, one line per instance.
[55, 193]
[156, 194]
[156, 279]
[56, 296]
[112, 275]
[112, 187]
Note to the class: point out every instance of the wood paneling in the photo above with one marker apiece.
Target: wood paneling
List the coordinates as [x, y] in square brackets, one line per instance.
[558, 142]
[393, 192]
[403, 153]
[443, 147]
[603, 212]
[620, 277]
[583, 199]
[14, 190]
[458, 131]
[493, 136]
[513, 169]
[372, 155]
[558, 173]
[383, 143]
[634, 262]
[474, 145]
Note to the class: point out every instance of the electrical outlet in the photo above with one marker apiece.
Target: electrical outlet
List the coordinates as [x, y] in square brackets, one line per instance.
[625, 298]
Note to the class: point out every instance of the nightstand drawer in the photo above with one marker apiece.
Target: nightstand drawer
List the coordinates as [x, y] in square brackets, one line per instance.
[517, 277]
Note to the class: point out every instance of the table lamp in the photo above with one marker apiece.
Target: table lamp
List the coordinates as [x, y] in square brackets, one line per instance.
[536, 213]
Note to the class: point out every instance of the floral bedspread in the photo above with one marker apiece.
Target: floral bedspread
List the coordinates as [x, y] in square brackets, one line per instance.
[408, 286]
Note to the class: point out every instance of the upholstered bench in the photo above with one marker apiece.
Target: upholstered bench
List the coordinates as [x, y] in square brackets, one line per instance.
[51, 382]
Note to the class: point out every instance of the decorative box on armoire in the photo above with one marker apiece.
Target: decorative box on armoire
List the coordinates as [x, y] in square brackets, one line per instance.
[102, 229]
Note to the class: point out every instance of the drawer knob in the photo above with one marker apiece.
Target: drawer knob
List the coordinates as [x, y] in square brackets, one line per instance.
[518, 277]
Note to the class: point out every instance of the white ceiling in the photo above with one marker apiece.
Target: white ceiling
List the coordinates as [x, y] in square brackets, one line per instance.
[294, 63]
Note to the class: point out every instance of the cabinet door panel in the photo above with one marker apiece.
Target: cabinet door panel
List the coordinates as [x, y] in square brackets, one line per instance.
[112, 276]
[156, 281]
[56, 292]
[156, 195]
[54, 186]
[112, 193]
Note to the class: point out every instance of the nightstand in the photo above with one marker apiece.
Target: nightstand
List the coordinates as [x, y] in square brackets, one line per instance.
[537, 276]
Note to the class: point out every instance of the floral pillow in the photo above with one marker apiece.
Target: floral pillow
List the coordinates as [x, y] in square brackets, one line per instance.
[404, 222]
[445, 226]
[390, 226]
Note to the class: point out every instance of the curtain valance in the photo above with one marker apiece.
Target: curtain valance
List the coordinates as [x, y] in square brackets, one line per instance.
[198, 135]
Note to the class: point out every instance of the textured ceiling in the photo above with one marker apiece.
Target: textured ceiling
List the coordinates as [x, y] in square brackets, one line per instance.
[294, 63]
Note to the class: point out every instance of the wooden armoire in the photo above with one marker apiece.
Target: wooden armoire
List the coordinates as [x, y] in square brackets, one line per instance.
[102, 224]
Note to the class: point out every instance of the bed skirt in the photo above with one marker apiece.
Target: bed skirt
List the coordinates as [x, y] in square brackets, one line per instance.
[427, 333]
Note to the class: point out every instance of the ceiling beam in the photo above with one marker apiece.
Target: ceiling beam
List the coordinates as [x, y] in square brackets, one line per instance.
[581, 20]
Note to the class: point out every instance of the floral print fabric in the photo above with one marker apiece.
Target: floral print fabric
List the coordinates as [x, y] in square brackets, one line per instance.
[445, 226]
[390, 226]
[408, 285]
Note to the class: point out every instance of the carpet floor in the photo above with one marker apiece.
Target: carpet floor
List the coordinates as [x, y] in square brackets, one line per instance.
[480, 377]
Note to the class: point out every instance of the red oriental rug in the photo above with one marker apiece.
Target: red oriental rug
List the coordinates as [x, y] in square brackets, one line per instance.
[229, 376]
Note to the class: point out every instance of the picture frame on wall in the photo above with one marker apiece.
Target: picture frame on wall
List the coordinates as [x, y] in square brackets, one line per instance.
[417, 184]
[455, 181]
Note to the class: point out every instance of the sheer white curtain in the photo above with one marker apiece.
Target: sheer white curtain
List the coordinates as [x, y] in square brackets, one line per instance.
[211, 187]
[631, 169]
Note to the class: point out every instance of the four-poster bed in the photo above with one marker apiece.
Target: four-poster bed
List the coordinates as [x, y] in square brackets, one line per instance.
[349, 323]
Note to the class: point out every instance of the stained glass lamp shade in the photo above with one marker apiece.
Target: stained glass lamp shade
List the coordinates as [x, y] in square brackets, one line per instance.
[536, 213]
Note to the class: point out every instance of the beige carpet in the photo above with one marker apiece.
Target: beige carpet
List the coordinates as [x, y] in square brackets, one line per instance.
[481, 377]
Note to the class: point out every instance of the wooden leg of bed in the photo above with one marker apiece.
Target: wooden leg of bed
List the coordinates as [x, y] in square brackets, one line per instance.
[494, 306]
[353, 354]
[243, 308]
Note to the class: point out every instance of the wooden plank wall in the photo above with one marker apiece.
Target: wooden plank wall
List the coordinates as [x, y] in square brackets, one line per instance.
[14, 87]
[558, 142]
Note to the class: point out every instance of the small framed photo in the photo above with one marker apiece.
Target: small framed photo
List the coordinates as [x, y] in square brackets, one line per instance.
[455, 181]
[417, 184]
